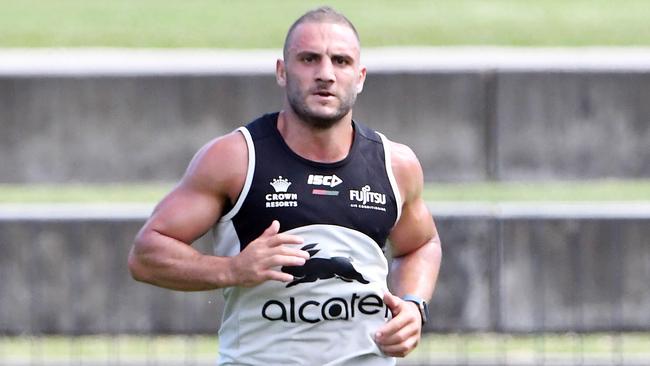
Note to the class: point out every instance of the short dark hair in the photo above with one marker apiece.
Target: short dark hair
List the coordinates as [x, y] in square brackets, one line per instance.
[323, 14]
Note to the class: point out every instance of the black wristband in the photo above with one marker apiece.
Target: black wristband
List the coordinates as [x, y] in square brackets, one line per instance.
[422, 306]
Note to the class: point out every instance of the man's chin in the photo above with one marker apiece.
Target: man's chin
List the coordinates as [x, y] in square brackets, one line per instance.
[319, 116]
[326, 116]
[321, 120]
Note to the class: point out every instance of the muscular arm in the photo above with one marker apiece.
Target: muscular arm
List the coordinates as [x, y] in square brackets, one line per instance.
[416, 257]
[415, 242]
[162, 254]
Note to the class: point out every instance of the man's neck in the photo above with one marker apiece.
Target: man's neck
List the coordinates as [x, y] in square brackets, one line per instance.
[321, 145]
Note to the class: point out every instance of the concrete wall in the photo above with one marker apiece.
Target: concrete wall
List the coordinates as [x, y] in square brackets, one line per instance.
[572, 125]
[499, 273]
[583, 275]
[119, 129]
[440, 115]
[467, 125]
[71, 277]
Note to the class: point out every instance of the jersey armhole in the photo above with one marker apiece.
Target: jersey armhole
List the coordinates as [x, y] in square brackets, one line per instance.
[249, 176]
[391, 176]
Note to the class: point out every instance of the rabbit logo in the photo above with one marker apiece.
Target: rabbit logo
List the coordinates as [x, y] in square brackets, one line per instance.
[323, 268]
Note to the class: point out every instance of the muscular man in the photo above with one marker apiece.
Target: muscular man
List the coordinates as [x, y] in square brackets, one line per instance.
[303, 202]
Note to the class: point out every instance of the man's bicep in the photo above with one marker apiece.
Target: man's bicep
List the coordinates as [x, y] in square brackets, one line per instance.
[414, 229]
[213, 179]
[186, 213]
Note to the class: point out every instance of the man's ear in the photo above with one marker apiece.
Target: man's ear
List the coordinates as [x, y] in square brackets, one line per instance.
[362, 79]
[280, 73]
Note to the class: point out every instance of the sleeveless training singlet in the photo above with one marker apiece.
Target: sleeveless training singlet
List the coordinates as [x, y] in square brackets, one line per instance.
[344, 211]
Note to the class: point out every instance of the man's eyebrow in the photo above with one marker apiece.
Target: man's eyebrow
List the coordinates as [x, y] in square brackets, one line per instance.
[345, 56]
[307, 53]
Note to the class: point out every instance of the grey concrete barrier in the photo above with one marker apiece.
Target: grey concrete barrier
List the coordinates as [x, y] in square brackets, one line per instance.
[122, 128]
[506, 268]
[70, 277]
[572, 125]
[469, 114]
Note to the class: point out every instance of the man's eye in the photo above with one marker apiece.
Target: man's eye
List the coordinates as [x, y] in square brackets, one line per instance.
[341, 61]
[308, 59]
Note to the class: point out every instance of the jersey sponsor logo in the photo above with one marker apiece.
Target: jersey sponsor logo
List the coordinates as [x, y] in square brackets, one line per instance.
[366, 199]
[322, 268]
[310, 310]
[281, 198]
[280, 184]
[324, 180]
[334, 308]
[324, 192]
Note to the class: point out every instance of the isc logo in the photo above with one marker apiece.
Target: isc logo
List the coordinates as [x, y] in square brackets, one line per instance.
[324, 180]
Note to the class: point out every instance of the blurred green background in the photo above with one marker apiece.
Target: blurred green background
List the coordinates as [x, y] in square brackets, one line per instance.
[591, 191]
[262, 24]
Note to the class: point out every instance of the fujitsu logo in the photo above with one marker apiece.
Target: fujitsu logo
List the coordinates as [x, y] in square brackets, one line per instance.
[365, 196]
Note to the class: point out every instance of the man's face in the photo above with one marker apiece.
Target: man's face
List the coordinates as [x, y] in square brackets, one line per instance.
[321, 72]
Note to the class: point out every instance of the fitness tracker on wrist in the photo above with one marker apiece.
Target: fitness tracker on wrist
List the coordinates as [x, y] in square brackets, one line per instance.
[422, 306]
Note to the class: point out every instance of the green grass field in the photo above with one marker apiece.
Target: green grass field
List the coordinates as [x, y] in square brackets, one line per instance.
[589, 191]
[583, 191]
[472, 347]
[262, 24]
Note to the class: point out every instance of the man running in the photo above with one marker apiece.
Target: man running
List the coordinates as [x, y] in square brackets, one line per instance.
[303, 203]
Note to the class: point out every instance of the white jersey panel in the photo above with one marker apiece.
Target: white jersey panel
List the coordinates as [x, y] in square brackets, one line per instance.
[391, 176]
[337, 295]
[249, 175]
[226, 242]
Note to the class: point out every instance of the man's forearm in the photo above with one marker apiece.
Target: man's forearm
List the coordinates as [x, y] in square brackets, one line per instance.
[416, 273]
[169, 263]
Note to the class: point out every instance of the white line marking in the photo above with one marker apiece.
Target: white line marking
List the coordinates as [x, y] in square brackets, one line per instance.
[66, 211]
[533, 210]
[108, 61]
[543, 210]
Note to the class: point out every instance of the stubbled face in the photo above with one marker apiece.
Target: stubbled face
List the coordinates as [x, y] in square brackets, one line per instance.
[321, 73]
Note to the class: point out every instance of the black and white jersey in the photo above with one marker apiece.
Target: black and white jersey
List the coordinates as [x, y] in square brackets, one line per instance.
[344, 211]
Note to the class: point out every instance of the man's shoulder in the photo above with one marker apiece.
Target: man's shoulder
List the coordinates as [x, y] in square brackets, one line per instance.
[402, 153]
[223, 147]
[228, 154]
[406, 169]
[220, 165]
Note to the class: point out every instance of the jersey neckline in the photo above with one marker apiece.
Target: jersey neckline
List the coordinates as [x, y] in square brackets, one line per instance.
[335, 164]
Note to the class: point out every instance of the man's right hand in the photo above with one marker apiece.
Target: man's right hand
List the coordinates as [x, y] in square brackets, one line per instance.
[258, 262]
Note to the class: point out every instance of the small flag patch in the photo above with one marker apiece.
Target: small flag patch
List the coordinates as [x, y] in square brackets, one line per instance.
[323, 192]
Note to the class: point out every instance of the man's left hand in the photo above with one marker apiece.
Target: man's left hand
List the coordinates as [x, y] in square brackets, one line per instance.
[399, 336]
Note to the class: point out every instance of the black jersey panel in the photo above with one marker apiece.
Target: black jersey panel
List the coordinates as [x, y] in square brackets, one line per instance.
[354, 193]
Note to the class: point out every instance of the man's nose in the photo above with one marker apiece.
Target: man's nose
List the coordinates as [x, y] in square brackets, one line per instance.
[325, 71]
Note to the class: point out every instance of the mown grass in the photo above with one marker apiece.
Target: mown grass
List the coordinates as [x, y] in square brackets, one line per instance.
[557, 191]
[262, 23]
[479, 346]
[588, 191]
[83, 193]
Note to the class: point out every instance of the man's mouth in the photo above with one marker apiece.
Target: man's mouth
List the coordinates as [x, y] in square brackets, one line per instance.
[324, 93]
